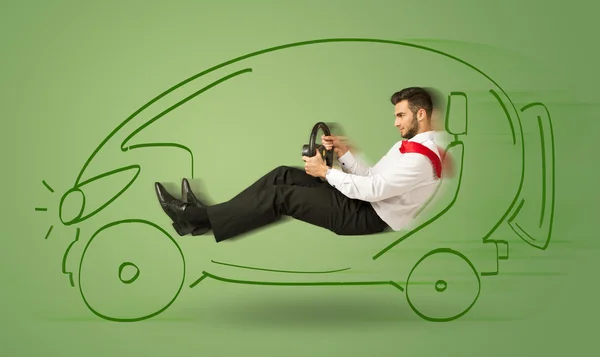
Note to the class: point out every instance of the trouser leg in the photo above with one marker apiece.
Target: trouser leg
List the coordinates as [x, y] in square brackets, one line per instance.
[318, 204]
[283, 175]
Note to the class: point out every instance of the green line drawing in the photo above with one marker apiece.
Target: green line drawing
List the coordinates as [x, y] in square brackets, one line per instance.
[86, 278]
[396, 285]
[44, 209]
[447, 121]
[414, 285]
[498, 258]
[49, 231]
[204, 276]
[512, 129]
[517, 195]
[135, 132]
[543, 151]
[539, 236]
[522, 231]
[133, 278]
[281, 270]
[440, 286]
[48, 186]
[64, 260]
[512, 217]
[442, 212]
[290, 283]
[79, 186]
[79, 217]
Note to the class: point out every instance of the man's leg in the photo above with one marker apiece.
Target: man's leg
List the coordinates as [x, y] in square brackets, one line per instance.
[283, 175]
[322, 206]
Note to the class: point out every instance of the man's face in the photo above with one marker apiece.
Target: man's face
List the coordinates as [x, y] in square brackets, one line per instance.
[405, 121]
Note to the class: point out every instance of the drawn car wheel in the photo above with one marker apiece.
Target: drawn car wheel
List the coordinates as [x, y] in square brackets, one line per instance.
[130, 270]
[443, 285]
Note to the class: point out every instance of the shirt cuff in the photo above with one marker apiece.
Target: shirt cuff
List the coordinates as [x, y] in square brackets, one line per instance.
[347, 160]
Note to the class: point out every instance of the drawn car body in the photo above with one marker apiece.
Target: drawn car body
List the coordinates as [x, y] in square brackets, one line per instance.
[426, 261]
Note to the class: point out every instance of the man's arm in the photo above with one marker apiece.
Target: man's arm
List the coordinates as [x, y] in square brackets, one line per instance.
[353, 165]
[349, 163]
[407, 172]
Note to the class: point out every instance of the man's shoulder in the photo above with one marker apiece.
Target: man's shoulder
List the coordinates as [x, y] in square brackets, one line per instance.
[419, 147]
[396, 145]
[420, 157]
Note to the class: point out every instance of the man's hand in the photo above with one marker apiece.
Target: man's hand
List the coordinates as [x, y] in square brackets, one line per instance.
[338, 143]
[315, 166]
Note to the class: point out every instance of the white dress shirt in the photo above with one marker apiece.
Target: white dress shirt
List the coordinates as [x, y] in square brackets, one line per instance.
[397, 186]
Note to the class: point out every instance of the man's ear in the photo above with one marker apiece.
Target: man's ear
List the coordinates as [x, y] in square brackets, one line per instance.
[421, 114]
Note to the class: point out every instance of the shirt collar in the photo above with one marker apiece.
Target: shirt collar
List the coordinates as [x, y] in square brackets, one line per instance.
[422, 137]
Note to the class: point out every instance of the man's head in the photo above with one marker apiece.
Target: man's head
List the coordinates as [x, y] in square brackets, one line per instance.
[412, 108]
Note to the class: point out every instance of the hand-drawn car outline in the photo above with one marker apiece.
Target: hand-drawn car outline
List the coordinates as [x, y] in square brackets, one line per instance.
[538, 236]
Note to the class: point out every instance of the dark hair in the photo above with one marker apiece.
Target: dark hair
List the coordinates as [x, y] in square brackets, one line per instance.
[418, 98]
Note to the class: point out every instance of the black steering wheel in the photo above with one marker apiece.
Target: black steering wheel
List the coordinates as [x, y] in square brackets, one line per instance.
[311, 148]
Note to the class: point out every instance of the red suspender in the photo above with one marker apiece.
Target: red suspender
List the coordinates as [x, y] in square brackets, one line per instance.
[412, 146]
[446, 163]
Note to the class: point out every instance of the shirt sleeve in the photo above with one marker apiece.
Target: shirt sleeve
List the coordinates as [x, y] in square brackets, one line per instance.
[352, 165]
[409, 171]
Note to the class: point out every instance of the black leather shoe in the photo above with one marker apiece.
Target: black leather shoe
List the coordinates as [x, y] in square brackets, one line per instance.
[187, 194]
[174, 208]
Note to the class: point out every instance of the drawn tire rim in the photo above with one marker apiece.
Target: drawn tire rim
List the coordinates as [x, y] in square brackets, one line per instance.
[119, 280]
[443, 285]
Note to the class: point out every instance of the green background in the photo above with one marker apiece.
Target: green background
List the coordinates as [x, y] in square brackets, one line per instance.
[72, 71]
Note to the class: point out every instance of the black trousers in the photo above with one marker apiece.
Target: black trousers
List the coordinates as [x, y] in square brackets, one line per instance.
[290, 191]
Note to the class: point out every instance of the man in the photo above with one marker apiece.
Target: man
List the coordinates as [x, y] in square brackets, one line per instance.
[356, 200]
